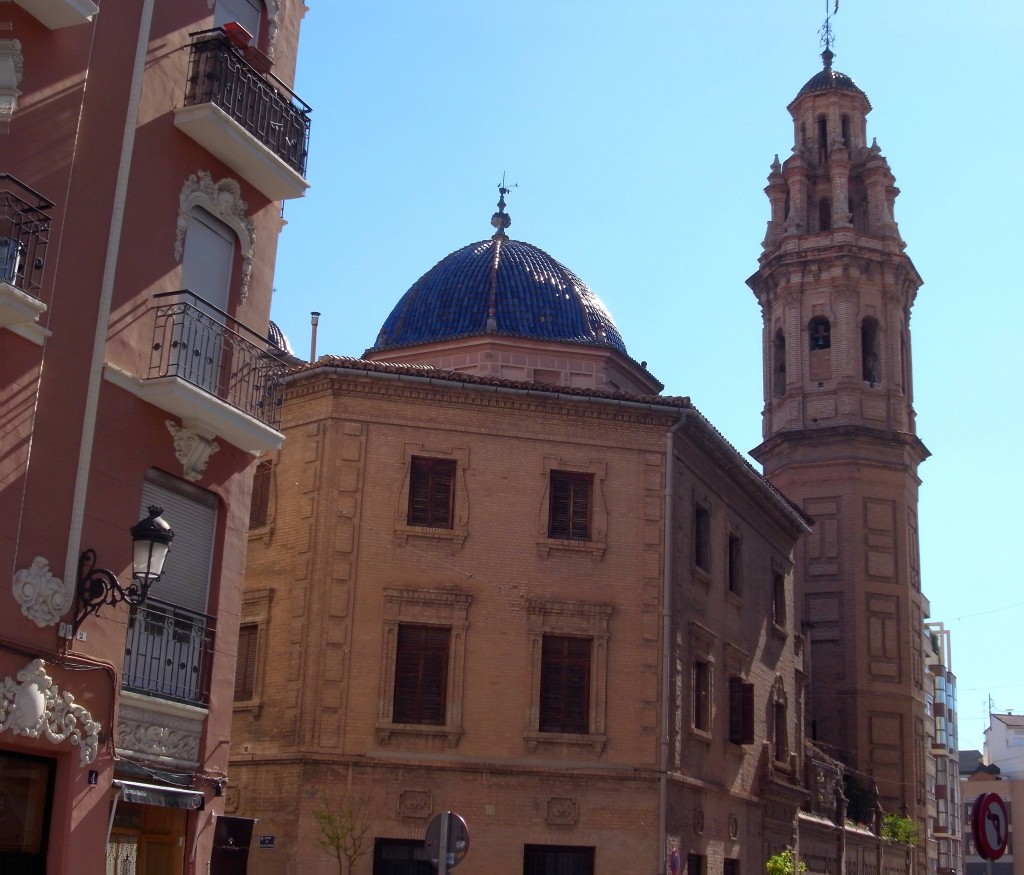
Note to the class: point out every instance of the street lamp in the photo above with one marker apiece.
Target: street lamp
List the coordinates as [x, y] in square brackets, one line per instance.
[151, 539]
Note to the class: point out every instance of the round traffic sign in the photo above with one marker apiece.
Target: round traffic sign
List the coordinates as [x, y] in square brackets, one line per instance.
[990, 823]
[458, 839]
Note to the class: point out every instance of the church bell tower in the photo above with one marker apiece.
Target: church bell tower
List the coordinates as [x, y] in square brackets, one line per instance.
[836, 291]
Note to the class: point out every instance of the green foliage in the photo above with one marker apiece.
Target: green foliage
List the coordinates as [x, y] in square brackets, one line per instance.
[784, 863]
[899, 828]
[344, 829]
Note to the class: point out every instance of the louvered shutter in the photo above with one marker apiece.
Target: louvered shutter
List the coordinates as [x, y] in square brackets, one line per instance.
[421, 675]
[569, 506]
[245, 12]
[431, 492]
[565, 684]
[245, 667]
[193, 518]
[259, 509]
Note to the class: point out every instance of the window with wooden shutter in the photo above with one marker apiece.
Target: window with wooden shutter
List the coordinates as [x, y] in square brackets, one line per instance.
[734, 556]
[779, 599]
[431, 492]
[741, 711]
[259, 509]
[421, 674]
[245, 666]
[569, 506]
[565, 684]
[700, 713]
[702, 537]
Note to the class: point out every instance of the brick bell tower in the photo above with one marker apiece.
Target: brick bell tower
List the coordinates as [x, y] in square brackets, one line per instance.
[836, 290]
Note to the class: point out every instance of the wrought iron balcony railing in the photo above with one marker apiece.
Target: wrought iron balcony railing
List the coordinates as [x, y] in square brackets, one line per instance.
[24, 235]
[260, 102]
[204, 346]
[168, 652]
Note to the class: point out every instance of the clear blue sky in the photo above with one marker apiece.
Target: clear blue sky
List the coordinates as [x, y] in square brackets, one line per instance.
[640, 135]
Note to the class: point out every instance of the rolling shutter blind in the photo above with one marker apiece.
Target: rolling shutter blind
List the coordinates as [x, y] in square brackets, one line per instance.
[245, 12]
[207, 258]
[186, 579]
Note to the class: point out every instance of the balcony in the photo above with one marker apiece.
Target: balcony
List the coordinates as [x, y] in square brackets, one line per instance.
[167, 653]
[24, 235]
[60, 13]
[219, 376]
[165, 685]
[248, 119]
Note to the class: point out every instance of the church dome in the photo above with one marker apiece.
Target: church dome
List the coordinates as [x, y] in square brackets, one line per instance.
[830, 80]
[499, 286]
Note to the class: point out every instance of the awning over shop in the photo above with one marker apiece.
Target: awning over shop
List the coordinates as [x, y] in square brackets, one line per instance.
[165, 797]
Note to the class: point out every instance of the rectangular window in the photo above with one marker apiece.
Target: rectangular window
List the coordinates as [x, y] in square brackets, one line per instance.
[735, 560]
[730, 866]
[779, 599]
[400, 857]
[702, 537]
[259, 509]
[780, 732]
[245, 666]
[741, 711]
[565, 684]
[701, 710]
[695, 864]
[557, 860]
[431, 492]
[569, 506]
[421, 674]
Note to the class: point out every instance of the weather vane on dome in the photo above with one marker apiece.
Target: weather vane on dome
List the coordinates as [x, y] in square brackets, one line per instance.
[827, 37]
[501, 220]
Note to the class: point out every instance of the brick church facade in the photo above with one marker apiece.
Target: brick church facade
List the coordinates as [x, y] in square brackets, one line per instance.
[494, 571]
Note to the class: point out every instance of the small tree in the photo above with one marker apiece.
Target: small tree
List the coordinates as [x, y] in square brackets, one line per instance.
[344, 829]
[784, 863]
[899, 828]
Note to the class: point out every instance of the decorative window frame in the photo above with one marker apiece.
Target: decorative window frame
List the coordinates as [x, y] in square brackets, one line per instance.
[456, 535]
[12, 68]
[580, 619]
[777, 698]
[223, 200]
[425, 607]
[734, 571]
[702, 649]
[598, 542]
[702, 502]
[256, 612]
[783, 571]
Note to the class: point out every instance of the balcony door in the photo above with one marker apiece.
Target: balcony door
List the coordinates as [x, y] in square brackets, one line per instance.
[206, 264]
[168, 636]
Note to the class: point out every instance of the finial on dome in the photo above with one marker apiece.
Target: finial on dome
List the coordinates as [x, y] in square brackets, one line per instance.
[827, 38]
[501, 220]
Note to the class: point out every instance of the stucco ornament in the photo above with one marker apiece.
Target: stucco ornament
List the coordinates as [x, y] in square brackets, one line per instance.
[273, 22]
[44, 599]
[11, 69]
[192, 448]
[222, 199]
[36, 707]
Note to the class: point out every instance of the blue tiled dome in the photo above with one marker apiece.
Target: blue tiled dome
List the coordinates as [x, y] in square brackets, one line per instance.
[499, 286]
[828, 79]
